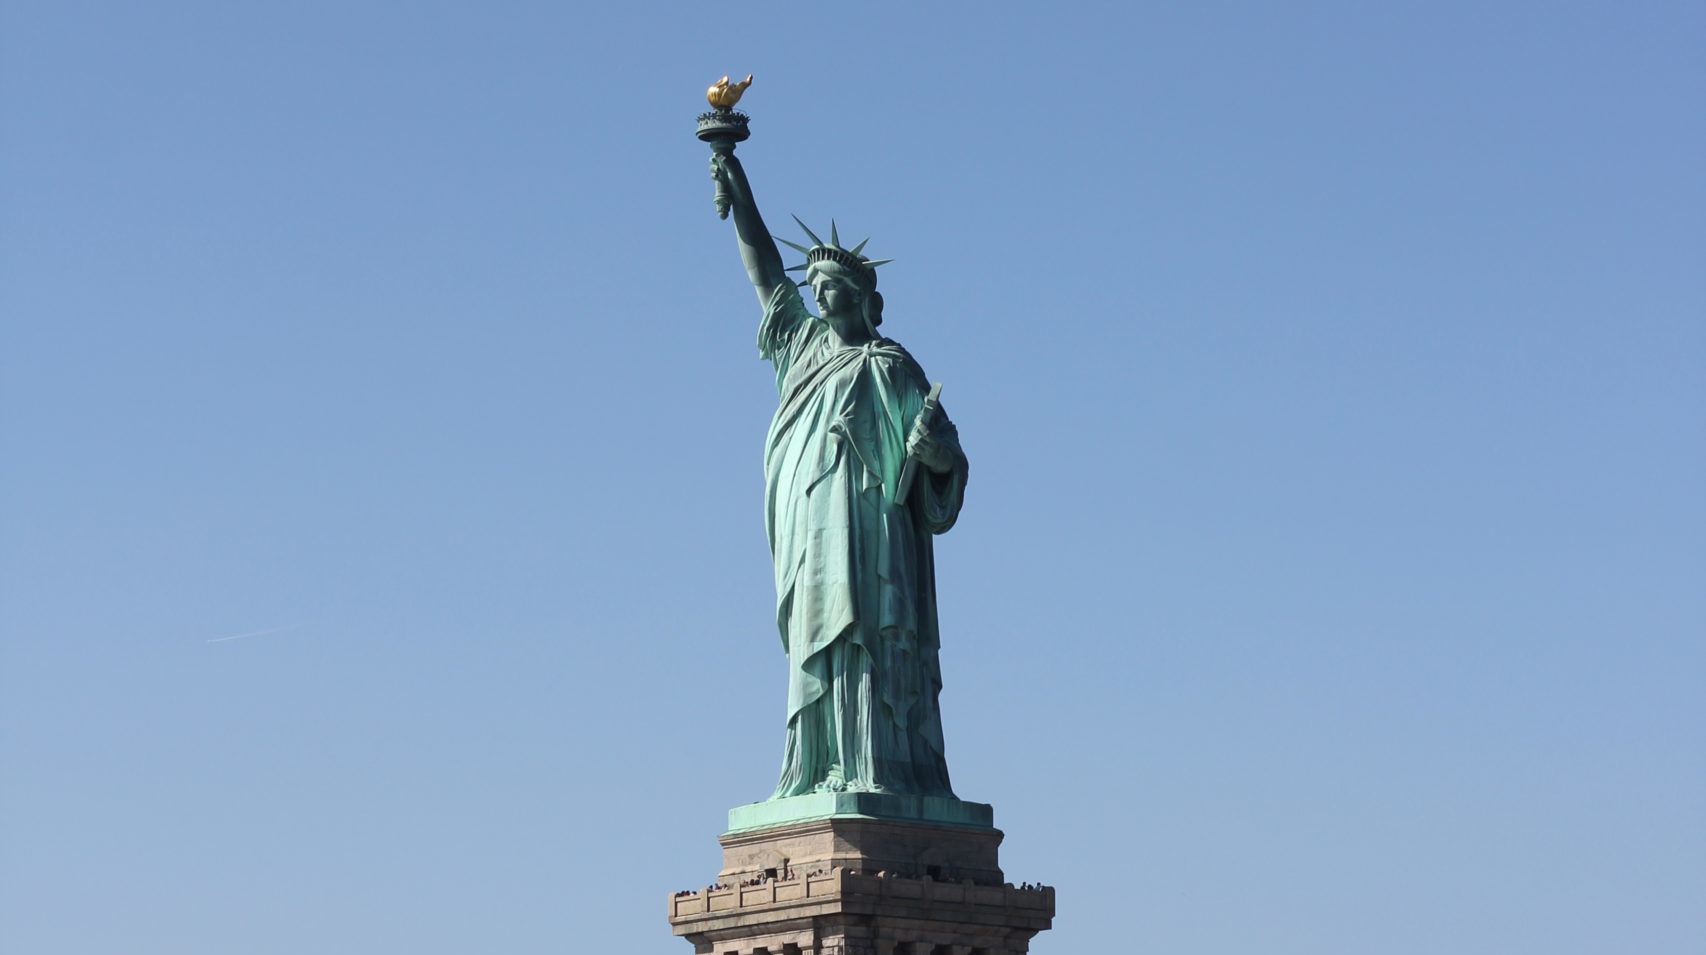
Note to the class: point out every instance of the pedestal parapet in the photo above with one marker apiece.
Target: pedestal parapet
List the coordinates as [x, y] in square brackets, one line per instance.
[846, 884]
[841, 912]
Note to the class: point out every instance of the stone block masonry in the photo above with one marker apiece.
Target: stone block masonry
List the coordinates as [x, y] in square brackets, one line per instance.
[859, 886]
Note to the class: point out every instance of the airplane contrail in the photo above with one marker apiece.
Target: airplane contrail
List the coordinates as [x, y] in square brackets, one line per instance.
[254, 633]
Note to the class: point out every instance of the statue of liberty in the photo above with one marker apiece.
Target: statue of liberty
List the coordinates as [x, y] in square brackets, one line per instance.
[861, 469]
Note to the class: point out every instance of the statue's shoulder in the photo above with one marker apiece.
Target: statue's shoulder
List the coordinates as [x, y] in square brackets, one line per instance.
[894, 355]
[786, 327]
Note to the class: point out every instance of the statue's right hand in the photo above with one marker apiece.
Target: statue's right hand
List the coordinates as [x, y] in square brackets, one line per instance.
[730, 185]
[722, 171]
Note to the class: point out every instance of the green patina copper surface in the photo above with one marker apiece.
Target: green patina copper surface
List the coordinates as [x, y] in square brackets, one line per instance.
[933, 809]
[851, 542]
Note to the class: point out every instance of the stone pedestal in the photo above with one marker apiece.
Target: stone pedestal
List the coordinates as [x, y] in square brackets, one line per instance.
[856, 884]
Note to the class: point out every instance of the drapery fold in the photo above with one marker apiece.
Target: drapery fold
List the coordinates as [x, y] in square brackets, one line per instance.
[855, 575]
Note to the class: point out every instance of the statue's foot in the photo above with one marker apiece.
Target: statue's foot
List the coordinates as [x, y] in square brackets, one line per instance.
[833, 783]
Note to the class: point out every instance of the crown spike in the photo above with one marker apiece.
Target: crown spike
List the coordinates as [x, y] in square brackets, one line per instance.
[791, 245]
[809, 232]
[834, 236]
[798, 268]
[856, 249]
[873, 263]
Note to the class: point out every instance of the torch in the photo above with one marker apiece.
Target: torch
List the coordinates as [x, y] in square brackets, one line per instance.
[724, 126]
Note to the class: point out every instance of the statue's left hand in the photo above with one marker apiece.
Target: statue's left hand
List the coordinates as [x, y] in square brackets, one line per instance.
[931, 453]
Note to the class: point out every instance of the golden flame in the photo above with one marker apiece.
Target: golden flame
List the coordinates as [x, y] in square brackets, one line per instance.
[724, 94]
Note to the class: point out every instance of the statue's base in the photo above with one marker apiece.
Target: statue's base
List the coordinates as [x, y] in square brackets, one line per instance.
[861, 874]
[931, 809]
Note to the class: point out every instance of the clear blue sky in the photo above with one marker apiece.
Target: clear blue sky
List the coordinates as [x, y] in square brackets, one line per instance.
[1333, 572]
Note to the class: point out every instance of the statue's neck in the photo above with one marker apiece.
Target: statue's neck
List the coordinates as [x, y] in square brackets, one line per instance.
[850, 330]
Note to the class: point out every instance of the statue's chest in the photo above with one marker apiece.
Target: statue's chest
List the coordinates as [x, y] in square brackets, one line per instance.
[832, 376]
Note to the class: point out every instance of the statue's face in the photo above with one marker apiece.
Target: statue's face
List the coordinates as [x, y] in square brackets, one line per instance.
[836, 294]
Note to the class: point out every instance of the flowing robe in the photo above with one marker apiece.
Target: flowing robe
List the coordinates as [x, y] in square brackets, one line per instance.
[855, 579]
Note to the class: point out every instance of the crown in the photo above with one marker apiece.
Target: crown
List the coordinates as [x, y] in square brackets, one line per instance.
[831, 251]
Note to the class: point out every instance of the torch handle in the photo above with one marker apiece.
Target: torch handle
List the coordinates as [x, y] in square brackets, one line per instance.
[725, 198]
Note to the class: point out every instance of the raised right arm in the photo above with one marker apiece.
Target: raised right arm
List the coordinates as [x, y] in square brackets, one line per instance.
[757, 249]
